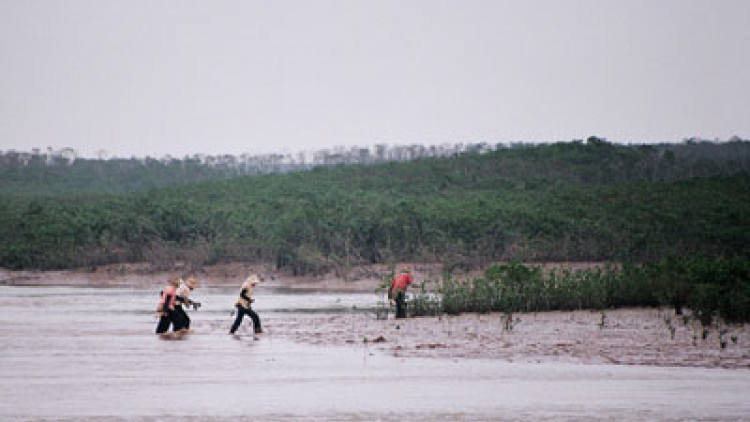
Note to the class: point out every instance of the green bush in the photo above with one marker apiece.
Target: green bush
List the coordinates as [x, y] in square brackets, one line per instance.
[709, 287]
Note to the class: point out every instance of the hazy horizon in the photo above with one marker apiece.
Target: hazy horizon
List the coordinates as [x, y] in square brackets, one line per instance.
[232, 77]
[308, 152]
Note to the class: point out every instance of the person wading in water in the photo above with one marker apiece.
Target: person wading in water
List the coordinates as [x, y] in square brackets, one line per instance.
[244, 305]
[165, 310]
[183, 298]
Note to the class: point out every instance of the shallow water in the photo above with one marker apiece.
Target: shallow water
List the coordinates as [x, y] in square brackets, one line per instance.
[89, 354]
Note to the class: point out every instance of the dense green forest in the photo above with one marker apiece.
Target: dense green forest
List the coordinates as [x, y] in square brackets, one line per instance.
[575, 201]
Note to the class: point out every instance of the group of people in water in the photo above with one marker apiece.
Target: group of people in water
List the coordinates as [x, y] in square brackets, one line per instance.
[175, 296]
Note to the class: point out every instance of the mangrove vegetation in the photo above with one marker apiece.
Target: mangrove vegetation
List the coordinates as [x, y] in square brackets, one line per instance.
[673, 219]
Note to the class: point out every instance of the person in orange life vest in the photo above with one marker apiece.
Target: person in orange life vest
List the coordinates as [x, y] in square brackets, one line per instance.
[244, 305]
[183, 298]
[397, 291]
[165, 310]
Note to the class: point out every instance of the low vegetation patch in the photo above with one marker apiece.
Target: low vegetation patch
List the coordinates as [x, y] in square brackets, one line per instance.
[710, 288]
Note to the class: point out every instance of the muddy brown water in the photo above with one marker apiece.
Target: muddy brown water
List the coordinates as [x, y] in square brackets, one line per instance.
[87, 354]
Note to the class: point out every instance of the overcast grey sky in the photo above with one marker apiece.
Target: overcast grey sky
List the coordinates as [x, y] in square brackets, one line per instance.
[181, 77]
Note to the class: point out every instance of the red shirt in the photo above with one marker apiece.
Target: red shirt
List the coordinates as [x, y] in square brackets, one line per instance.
[401, 281]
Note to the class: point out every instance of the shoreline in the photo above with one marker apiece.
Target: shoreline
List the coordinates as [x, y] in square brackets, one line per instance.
[365, 278]
[144, 275]
[627, 336]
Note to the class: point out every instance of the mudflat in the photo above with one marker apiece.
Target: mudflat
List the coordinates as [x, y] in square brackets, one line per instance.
[655, 337]
[89, 354]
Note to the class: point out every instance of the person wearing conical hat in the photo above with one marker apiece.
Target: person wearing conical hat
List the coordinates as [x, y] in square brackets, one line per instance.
[182, 323]
[166, 307]
[244, 303]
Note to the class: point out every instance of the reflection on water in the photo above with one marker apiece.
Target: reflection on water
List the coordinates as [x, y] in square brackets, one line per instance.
[89, 354]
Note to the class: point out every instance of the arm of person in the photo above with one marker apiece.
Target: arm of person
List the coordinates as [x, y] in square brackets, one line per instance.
[411, 282]
[163, 302]
[244, 295]
[169, 303]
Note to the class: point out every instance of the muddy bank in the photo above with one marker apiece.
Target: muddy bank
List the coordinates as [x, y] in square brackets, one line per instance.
[625, 337]
[357, 279]
[145, 275]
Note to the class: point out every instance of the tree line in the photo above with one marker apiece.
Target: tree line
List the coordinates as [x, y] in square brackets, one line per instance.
[64, 172]
[575, 201]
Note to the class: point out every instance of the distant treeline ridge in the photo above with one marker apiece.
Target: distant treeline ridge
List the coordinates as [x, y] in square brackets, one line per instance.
[576, 201]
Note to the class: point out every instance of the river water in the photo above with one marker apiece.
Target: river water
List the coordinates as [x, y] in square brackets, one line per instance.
[87, 354]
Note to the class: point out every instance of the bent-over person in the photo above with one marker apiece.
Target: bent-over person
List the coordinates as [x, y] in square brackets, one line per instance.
[397, 291]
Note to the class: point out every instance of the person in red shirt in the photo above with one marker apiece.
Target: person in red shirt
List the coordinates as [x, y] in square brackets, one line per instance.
[397, 291]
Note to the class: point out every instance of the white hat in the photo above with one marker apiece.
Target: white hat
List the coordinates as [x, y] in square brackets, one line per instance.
[253, 279]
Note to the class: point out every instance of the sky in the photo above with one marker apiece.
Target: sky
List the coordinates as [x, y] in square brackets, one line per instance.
[181, 77]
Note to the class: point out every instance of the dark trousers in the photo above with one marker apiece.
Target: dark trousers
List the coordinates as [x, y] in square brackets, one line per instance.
[401, 305]
[182, 320]
[241, 312]
[165, 321]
